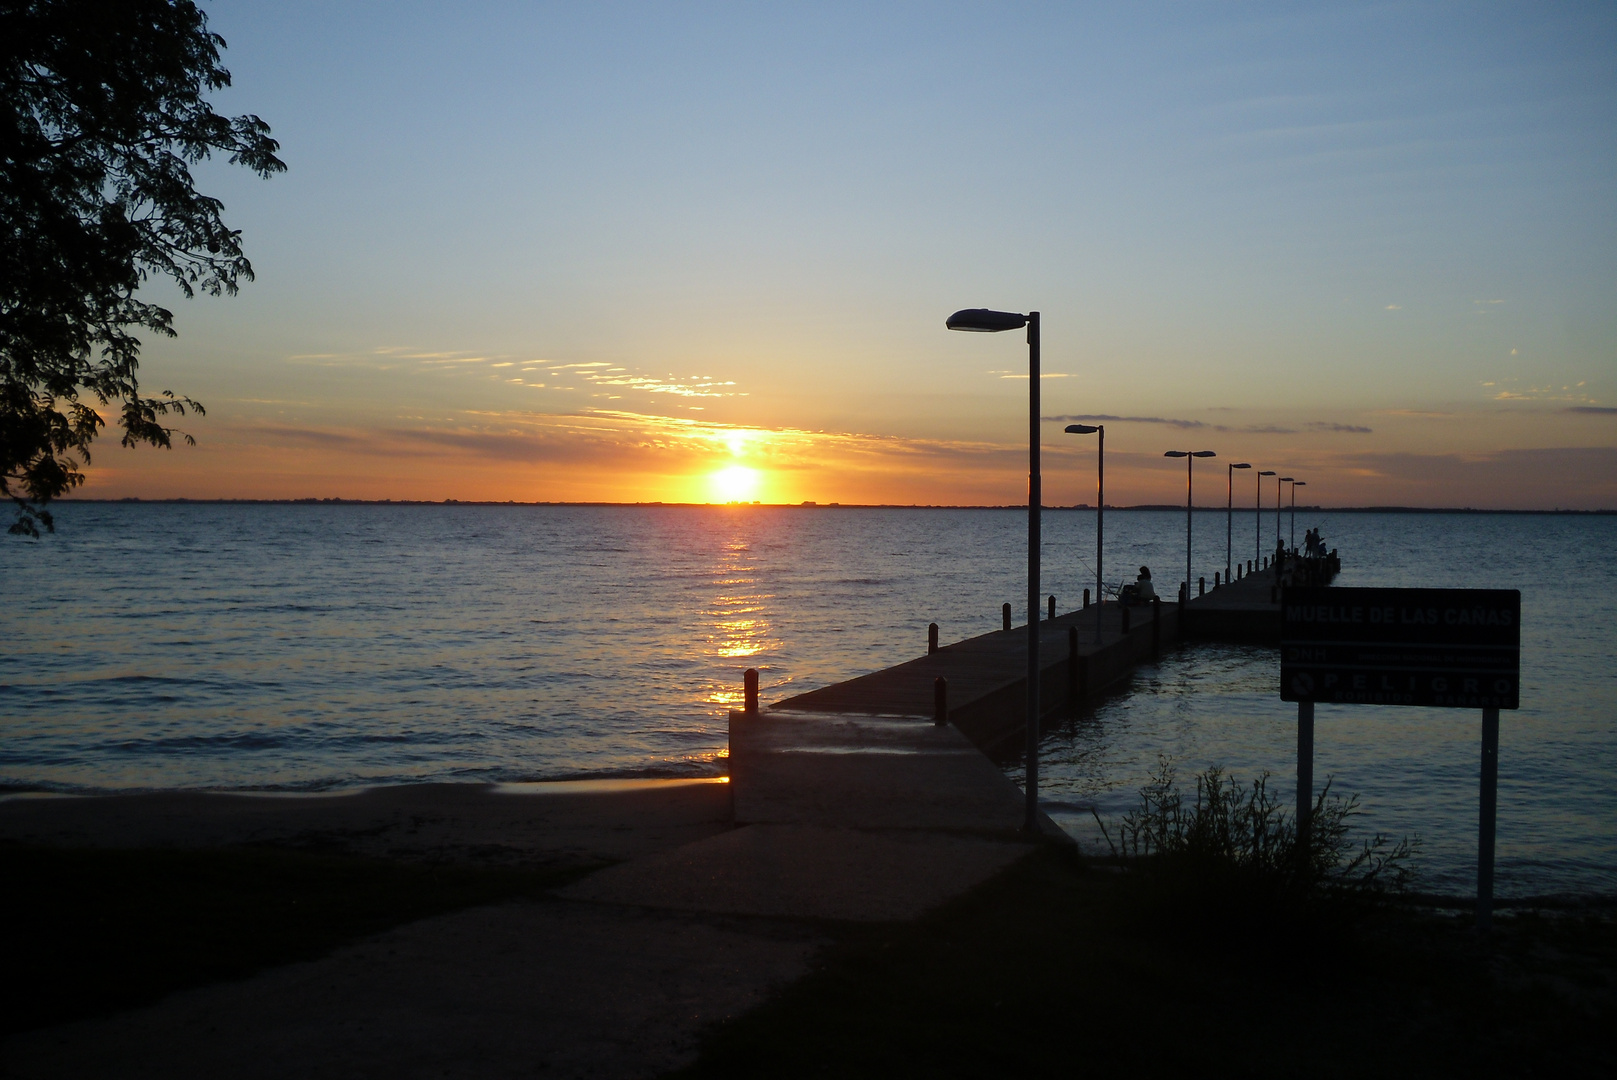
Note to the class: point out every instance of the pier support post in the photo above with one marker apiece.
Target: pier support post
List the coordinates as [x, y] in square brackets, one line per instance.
[749, 688]
[1005, 616]
[931, 637]
[1488, 806]
[940, 701]
[1305, 774]
[1075, 683]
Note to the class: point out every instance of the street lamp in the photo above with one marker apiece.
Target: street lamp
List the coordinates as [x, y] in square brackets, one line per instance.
[1190, 457]
[986, 321]
[1295, 484]
[1257, 518]
[1229, 512]
[1100, 512]
[1279, 547]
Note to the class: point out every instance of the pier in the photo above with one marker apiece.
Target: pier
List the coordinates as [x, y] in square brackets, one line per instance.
[1082, 653]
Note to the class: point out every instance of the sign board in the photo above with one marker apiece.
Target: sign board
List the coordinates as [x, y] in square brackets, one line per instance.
[1456, 648]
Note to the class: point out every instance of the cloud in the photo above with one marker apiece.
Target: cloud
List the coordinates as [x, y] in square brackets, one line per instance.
[1346, 429]
[1419, 414]
[1106, 417]
[1184, 425]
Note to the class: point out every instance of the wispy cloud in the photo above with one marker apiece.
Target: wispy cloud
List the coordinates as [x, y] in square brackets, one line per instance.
[1345, 429]
[1595, 410]
[1417, 414]
[1109, 418]
[1202, 425]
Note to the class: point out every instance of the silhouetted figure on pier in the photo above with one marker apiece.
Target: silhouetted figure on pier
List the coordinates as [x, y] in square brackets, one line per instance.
[1144, 591]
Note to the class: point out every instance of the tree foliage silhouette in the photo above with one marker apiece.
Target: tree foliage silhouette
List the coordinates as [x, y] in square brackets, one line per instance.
[103, 117]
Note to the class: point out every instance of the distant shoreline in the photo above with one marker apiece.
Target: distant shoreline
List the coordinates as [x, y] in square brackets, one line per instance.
[823, 506]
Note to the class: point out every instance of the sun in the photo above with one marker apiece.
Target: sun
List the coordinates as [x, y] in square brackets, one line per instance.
[736, 483]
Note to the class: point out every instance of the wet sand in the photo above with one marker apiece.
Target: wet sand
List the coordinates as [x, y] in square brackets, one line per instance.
[550, 825]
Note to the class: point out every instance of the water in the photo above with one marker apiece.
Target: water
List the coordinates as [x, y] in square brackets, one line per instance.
[314, 647]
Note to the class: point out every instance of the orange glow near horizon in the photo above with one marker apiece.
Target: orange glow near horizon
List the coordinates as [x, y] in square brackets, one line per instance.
[622, 456]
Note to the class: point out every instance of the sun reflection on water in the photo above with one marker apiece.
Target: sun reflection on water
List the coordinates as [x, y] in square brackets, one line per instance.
[737, 616]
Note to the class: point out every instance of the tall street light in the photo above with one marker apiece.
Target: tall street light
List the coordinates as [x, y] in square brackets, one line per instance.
[1100, 512]
[1295, 484]
[1229, 510]
[1278, 546]
[986, 321]
[1257, 518]
[1190, 457]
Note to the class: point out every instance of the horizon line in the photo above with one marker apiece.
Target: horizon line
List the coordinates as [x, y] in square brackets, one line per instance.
[814, 505]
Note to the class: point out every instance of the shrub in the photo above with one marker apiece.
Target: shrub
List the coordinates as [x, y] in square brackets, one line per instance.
[1232, 828]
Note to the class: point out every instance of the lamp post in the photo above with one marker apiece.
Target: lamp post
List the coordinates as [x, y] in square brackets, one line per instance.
[1229, 510]
[986, 321]
[1295, 484]
[1190, 457]
[1257, 519]
[1278, 546]
[1100, 511]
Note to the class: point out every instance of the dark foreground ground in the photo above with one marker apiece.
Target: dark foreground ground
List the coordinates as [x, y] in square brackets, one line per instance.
[1051, 968]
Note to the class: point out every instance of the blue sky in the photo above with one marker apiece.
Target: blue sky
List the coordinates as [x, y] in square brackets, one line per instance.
[1283, 223]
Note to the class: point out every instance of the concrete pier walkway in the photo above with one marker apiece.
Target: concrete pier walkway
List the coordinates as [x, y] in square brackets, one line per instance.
[986, 675]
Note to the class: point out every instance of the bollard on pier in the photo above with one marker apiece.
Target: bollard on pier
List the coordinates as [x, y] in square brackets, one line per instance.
[1052, 614]
[1005, 616]
[749, 684]
[1086, 599]
[931, 637]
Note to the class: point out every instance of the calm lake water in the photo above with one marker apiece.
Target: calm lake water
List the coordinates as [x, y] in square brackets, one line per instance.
[310, 647]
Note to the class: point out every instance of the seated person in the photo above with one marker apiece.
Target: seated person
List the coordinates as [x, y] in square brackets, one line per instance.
[1144, 591]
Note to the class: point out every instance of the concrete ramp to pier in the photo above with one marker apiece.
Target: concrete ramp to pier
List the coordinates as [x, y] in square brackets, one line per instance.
[851, 817]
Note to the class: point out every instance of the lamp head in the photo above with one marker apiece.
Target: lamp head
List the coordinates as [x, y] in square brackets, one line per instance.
[1300, 483]
[1177, 453]
[1286, 480]
[1266, 472]
[1081, 429]
[985, 320]
[1204, 453]
[1240, 465]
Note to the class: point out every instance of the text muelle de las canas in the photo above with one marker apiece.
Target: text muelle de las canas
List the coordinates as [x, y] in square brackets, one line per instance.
[1399, 616]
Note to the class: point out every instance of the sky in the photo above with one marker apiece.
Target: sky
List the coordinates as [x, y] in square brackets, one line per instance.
[704, 252]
